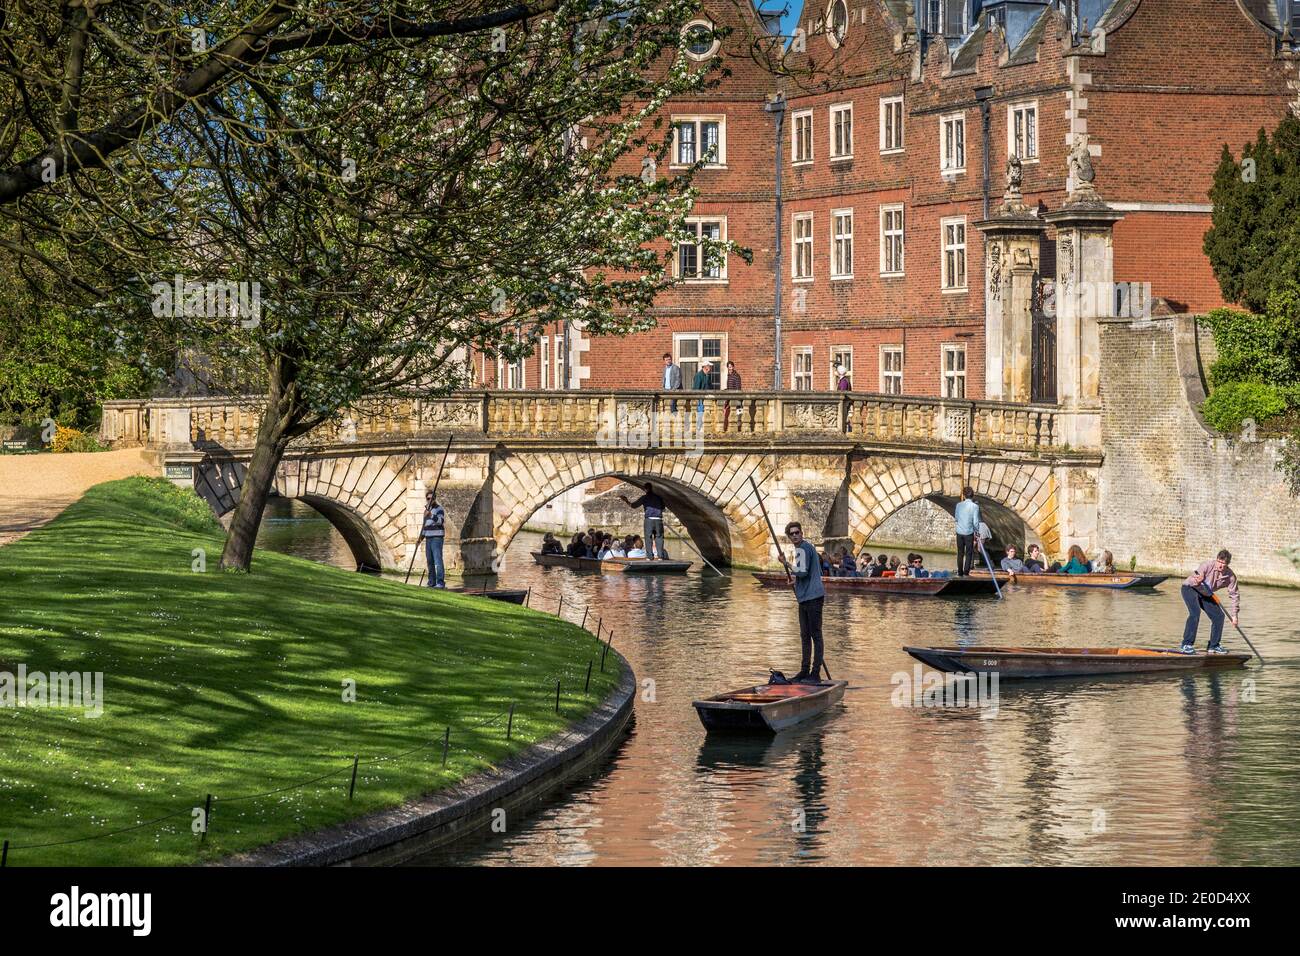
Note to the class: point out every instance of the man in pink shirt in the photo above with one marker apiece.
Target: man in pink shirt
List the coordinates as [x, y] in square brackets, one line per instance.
[1198, 591]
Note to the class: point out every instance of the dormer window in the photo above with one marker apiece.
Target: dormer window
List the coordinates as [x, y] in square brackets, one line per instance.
[837, 22]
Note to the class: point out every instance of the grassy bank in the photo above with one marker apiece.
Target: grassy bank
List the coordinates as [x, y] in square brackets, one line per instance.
[234, 685]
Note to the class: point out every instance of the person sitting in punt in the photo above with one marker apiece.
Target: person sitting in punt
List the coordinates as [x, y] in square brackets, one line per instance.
[1012, 563]
[878, 567]
[576, 548]
[1076, 562]
[828, 566]
[1034, 562]
[916, 566]
[1105, 564]
[550, 545]
[612, 548]
[638, 547]
[848, 566]
[894, 565]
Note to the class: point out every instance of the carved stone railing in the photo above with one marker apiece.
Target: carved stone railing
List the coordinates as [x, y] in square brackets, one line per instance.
[637, 419]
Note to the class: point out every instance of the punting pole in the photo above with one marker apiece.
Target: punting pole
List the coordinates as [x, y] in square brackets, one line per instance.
[771, 530]
[436, 482]
[1239, 630]
[989, 565]
[686, 539]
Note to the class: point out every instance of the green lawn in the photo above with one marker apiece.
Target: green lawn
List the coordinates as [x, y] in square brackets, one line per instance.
[232, 684]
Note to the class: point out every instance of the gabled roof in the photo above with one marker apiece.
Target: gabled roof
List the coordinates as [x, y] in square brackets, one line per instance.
[968, 53]
[1027, 49]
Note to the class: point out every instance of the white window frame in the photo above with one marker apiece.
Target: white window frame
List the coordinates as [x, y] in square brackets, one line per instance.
[506, 370]
[698, 359]
[841, 350]
[797, 352]
[698, 119]
[947, 379]
[832, 128]
[837, 237]
[829, 21]
[945, 278]
[700, 278]
[901, 232]
[560, 383]
[887, 374]
[887, 104]
[796, 137]
[946, 164]
[544, 361]
[798, 241]
[686, 32]
[1030, 106]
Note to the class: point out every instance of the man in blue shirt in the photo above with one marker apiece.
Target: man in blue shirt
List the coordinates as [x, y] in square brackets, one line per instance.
[968, 523]
[811, 595]
[653, 521]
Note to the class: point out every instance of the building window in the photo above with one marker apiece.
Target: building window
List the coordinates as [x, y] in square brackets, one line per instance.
[952, 143]
[954, 371]
[801, 141]
[544, 362]
[954, 253]
[842, 131]
[801, 377]
[841, 358]
[510, 374]
[694, 261]
[802, 262]
[891, 369]
[891, 124]
[837, 22]
[699, 138]
[933, 17]
[891, 240]
[701, 43]
[559, 363]
[1022, 131]
[693, 349]
[841, 243]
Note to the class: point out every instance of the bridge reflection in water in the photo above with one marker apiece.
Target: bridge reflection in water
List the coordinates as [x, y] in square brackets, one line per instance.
[1185, 771]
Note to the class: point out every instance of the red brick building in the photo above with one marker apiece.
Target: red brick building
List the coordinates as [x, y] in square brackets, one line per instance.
[894, 133]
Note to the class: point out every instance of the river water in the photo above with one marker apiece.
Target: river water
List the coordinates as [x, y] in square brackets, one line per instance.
[1158, 770]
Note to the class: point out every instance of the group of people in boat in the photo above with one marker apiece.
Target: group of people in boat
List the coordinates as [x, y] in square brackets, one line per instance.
[595, 543]
[1076, 562]
[840, 563]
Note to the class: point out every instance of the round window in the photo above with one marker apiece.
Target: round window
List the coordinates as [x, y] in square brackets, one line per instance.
[700, 41]
[837, 18]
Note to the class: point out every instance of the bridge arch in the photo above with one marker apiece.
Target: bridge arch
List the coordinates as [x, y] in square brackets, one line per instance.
[1017, 497]
[362, 496]
[708, 494]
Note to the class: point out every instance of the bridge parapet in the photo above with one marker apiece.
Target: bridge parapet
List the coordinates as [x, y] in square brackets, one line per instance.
[628, 419]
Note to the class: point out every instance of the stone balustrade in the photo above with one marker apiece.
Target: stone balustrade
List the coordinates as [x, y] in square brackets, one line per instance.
[627, 419]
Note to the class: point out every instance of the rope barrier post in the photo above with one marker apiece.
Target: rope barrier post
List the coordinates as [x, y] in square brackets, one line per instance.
[207, 818]
[606, 650]
[446, 743]
[510, 724]
[587, 686]
[559, 612]
[529, 596]
[557, 696]
[600, 622]
[584, 616]
[356, 759]
[4, 855]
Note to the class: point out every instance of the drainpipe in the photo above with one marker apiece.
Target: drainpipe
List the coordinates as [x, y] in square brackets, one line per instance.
[776, 106]
[983, 95]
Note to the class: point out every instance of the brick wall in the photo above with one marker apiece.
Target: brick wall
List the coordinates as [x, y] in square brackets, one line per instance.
[1172, 492]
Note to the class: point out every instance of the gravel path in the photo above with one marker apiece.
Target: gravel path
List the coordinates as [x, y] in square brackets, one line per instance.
[36, 488]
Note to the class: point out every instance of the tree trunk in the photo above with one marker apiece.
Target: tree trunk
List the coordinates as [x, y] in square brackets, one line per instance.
[280, 422]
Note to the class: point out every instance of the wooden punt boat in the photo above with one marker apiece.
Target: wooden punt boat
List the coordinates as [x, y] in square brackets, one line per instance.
[612, 565]
[510, 595]
[948, 587]
[1117, 581]
[1068, 661]
[767, 708]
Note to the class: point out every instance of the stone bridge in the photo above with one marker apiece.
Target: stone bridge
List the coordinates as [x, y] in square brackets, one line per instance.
[840, 463]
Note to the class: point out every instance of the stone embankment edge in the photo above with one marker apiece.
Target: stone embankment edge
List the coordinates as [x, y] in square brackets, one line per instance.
[438, 819]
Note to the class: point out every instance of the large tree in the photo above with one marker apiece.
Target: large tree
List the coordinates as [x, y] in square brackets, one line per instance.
[387, 206]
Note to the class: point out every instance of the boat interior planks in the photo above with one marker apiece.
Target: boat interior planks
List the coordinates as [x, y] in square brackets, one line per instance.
[1020, 662]
[612, 565]
[930, 587]
[767, 708]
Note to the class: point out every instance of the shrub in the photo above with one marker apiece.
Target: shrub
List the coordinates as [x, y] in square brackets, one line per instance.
[73, 439]
[1231, 404]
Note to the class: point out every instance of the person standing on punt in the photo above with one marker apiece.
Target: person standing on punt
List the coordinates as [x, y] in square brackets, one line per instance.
[1198, 595]
[968, 525]
[811, 595]
[434, 534]
[653, 521]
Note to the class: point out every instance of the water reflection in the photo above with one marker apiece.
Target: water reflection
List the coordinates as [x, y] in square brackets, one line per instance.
[1197, 770]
